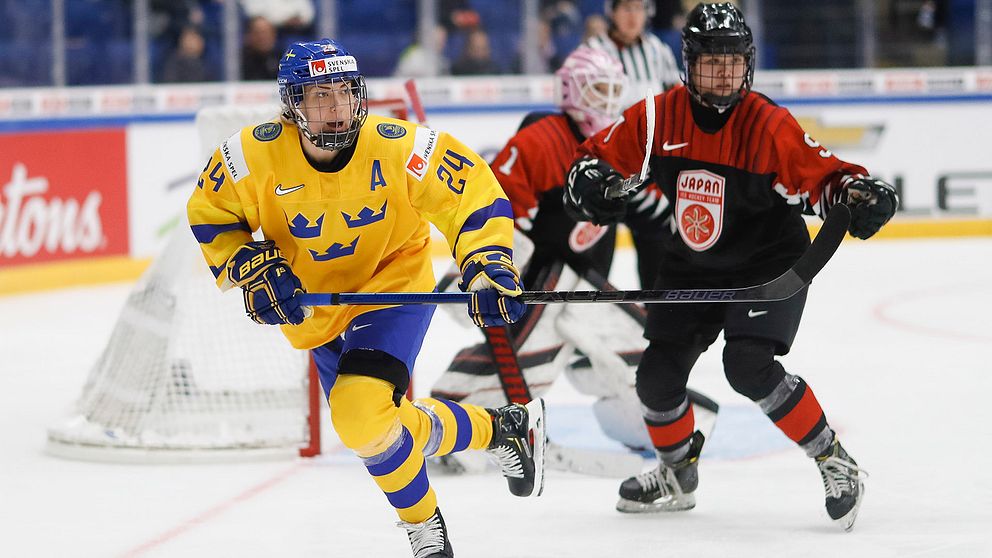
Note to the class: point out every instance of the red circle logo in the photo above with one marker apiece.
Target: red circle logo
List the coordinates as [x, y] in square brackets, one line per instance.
[697, 223]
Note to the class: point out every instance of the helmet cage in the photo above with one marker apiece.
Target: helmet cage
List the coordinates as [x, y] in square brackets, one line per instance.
[720, 30]
[296, 105]
[317, 65]
[720, 102]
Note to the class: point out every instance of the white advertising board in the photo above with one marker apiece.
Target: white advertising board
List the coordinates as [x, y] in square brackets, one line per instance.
[936, 153]
[163, 164]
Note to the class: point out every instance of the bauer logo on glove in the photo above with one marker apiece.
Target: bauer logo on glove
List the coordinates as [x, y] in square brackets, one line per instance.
[270, 286]
[495, 284]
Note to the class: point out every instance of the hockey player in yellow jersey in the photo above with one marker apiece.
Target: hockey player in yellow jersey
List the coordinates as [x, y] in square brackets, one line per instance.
[344, 200]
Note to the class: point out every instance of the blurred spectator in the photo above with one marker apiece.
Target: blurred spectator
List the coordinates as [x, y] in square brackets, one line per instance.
[457, 15]
[170, 18]
[186, 63]
[647, 61]
[476, 59]
[259, 57]
[931, 17]
[595, 26]
[425, 58]
[669, 14]
[547, 52]
[288, 16]
[564, 30]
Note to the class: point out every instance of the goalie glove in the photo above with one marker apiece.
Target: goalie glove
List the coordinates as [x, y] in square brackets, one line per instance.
[270, 286]
[585, 192]
[872, 201]
[495, 283]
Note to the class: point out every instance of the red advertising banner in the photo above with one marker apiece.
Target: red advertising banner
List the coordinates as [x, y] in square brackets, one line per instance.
[63, 195]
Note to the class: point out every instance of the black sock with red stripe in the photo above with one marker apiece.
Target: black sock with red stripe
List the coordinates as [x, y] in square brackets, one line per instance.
[671, 430]
[794, 409]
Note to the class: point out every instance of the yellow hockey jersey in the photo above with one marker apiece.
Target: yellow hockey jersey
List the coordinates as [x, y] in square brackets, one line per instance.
[361, 229]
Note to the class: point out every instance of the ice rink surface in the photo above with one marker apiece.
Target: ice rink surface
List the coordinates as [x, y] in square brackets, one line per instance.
[896, 343]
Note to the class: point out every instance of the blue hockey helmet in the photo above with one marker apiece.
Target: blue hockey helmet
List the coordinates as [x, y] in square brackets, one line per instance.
[323, 93]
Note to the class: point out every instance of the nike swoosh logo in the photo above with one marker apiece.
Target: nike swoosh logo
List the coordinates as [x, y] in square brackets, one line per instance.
[357, 327]
[280, 191]
[668, 147]
[755, 314]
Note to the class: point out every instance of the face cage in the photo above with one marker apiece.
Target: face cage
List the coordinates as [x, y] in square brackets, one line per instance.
[294, 104]
[719, 102]
[598, 110]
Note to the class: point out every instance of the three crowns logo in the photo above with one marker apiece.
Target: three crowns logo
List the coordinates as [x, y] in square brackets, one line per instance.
[336, 250]
[366, 216]
[298, 226]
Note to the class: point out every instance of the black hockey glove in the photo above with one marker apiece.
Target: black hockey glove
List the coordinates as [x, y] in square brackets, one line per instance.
[872, 201]
[269, 285]
[585, 189]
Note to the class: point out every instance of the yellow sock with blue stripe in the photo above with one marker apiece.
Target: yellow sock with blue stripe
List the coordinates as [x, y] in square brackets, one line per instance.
[392, 442]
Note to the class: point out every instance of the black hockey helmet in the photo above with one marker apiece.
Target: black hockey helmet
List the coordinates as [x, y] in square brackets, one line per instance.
[717, 29]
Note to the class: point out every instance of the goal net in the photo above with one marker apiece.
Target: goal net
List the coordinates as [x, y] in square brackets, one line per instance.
[185, 375]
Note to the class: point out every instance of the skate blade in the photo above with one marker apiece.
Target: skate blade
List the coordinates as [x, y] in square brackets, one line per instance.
[847, 521]
[539, 433]
[684, 502]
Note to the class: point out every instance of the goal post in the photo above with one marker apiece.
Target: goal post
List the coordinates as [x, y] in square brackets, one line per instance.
[185, 376]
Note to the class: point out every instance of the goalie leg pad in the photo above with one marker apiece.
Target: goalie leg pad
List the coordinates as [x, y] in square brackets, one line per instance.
[620, 418]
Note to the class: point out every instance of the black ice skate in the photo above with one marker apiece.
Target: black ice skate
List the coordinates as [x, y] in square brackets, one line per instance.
[518, 444]
[843, 483]
[430, 538]
[666, 488]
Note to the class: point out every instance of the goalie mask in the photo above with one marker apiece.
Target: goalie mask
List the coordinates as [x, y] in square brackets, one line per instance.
[590, 87]
[718, 52]
[323, 93]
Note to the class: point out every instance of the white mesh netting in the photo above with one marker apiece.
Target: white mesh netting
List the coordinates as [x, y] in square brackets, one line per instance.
[185, 375]
[185, 369]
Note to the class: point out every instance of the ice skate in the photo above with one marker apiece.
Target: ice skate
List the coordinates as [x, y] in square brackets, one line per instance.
[667, 488]
[517, 446]
[843, 484]
[430, 538]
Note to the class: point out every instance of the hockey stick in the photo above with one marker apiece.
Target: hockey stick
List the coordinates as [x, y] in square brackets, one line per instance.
[513, 383]
[415, 103]
[516, 390]
[782, 287]
[632, 182]
[557, 457]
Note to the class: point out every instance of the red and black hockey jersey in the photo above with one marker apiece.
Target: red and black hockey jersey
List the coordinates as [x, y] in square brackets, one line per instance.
[531, 168]
[535, 161]
[738, 182]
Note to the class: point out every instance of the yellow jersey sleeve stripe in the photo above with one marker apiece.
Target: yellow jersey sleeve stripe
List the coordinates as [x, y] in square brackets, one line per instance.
[482, 216]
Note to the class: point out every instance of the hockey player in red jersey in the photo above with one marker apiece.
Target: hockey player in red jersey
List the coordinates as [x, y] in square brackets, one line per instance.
[740, 172]
[531, 169]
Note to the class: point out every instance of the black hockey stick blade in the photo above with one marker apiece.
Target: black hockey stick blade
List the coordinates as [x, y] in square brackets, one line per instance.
[782, 287]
